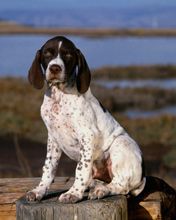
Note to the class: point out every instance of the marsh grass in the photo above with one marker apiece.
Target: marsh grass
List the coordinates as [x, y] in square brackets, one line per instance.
[149, 130]
[118, 99]
[158, 134]
[136, 72]
[22, 160]
[20, 108]
[20, 117]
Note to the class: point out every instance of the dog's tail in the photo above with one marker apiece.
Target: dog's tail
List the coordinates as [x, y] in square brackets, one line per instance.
[139, 188]
[156, 188]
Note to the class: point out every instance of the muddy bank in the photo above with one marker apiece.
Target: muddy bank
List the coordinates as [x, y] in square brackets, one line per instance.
[14, 28]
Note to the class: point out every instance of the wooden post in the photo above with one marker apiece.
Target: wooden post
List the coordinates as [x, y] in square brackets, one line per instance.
[111, 208]
[157, 204]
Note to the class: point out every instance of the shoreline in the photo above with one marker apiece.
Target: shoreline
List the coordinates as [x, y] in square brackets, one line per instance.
[12, 28]
[128, 72]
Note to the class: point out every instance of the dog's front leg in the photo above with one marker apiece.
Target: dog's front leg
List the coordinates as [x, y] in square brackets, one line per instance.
[83, 175]
[49, 170]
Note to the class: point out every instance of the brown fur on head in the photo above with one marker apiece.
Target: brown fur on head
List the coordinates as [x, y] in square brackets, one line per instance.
[62, 62]
[35, 75]
[83, 76]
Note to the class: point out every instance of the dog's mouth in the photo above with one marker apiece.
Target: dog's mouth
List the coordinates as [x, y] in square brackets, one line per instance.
[55, 82]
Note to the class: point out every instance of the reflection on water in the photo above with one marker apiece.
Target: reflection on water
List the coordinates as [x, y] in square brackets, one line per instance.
[17, 52]
[151, 83]
[135, 113]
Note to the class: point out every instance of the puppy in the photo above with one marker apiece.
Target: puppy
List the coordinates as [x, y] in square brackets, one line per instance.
[80, 127]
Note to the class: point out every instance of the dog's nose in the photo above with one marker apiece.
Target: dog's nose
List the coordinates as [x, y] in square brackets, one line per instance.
[55, 69]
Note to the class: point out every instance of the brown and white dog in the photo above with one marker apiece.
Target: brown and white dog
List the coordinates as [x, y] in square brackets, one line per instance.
[80, 127]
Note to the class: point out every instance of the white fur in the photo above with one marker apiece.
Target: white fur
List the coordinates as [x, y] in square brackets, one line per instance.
[59, 62]
[60, 44]
[78, 126]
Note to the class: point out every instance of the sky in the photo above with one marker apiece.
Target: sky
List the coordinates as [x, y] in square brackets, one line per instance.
[13, 4]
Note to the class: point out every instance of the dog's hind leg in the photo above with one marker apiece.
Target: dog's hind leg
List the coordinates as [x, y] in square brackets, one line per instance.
[126, 168]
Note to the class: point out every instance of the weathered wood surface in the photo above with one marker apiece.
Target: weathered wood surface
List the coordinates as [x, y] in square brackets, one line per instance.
[156, 201]
[14, 188]
[7, 211]
[146, 210]
[111, 208]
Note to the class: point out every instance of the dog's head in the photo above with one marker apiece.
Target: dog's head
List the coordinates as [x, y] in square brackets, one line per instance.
[59, 62]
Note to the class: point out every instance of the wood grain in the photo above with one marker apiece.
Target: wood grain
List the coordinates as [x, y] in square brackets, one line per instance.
[150, 208]
[111, 208]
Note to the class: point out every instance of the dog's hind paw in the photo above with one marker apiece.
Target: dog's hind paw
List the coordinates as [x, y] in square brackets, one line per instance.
[68, 198]
[100, 191]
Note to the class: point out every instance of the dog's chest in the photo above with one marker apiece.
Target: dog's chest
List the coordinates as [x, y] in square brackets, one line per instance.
[59, 112]
[56, 113]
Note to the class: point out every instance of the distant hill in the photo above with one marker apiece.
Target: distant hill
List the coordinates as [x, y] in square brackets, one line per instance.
[141, 17]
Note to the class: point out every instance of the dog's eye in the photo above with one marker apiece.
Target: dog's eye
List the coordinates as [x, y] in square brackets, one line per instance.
[68, 55]
[49, 53]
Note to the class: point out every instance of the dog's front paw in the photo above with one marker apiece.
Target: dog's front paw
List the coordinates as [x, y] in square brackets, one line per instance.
[98, 192]
[69, 198]
[35, 195]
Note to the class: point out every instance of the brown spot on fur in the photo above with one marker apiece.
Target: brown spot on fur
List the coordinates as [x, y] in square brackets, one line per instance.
[87, 160]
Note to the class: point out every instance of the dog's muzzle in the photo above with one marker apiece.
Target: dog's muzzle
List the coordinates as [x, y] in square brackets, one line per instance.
[56, 74]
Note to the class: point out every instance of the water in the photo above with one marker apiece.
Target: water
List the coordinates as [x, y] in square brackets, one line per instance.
[17, 52]
[146, 83]
[136, 113]
[63, 14]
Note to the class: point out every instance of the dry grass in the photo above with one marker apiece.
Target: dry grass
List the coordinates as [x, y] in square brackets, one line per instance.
[136, 72]
[20, 108]
[22, 160]
[119, 99]
[160, 129]
[20, 115]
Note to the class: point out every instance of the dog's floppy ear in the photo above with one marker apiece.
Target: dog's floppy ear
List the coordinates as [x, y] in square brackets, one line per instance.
[35, 75]
[83, 74]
